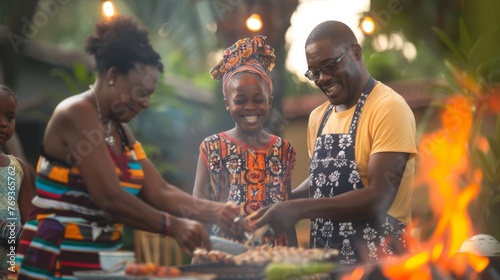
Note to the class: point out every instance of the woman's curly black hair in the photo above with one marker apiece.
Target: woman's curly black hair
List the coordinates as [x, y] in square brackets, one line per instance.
[121, 43]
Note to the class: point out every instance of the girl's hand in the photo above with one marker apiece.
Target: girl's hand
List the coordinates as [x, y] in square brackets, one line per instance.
[229, 221]
[189, 234]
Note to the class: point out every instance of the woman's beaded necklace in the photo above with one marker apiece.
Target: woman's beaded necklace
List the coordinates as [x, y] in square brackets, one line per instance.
[109, 139]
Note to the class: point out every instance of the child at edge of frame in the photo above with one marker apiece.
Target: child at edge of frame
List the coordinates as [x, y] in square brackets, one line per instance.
[15, 188]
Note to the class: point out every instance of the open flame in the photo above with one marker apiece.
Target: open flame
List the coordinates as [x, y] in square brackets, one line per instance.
[444, 167]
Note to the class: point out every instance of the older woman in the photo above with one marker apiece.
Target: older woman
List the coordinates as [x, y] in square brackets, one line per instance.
[93, 176]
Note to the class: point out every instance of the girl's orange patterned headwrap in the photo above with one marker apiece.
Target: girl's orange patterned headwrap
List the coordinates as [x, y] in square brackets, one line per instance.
[246, 55]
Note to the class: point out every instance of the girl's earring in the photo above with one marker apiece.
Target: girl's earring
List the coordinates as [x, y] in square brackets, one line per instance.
[111, 83]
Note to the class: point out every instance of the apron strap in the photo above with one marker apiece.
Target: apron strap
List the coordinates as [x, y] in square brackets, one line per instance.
[359, 107]
[325, 118]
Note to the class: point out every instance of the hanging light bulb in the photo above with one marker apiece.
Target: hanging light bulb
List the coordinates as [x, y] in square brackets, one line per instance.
[107, 9]
[368, 25]
[254, 23]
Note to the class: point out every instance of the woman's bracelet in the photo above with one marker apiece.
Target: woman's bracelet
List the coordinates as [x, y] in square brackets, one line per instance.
[165, 224]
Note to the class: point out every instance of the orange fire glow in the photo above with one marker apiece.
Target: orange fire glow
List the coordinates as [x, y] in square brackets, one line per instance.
[444, 168]
[356, 274]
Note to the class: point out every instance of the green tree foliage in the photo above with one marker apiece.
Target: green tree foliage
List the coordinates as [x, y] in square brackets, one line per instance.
[411, 21]
[473, 71]
[414, 19]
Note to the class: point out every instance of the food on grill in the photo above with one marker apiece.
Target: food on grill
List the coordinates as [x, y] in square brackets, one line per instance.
[265, 254]
[279, 271]
[201, 255]
[144, 269]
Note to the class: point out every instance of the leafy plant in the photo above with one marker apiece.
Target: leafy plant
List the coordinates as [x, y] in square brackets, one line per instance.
[487, 204]
[471, 72]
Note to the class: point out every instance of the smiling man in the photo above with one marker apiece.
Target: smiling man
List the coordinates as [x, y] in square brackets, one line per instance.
[362, 148]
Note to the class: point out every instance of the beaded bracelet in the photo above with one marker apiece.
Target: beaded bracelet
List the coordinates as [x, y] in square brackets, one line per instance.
[165, 224]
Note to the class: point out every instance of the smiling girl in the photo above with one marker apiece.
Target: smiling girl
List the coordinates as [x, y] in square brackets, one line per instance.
[246, 165]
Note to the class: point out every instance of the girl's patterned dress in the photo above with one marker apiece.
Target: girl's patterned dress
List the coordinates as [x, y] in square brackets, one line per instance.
[250, 177]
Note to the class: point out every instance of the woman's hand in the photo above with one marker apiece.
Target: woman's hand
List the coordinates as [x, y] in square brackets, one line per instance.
[229, 222]
[279, 216]
[189, 234]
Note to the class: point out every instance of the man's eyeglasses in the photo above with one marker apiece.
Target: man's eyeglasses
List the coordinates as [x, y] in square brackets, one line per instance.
[328, 69]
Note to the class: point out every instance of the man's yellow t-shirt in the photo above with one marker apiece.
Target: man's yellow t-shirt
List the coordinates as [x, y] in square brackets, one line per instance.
[386, 124]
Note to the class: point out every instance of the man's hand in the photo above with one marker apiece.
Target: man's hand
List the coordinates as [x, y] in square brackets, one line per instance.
[279, 216]
[229, 221]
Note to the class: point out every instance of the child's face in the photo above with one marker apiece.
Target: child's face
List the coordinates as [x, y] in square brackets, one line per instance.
[249, 101]
[7, 116]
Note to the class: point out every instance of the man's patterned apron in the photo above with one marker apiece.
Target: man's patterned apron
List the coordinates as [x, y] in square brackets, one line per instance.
[333, 171]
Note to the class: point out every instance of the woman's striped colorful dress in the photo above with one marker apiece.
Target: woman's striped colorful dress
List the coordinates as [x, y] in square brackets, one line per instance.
[67, 229]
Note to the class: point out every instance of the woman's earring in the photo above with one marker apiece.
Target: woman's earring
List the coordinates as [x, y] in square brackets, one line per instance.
[111, 83]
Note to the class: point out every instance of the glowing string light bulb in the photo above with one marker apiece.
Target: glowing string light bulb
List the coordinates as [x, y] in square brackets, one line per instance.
[107, 9]
[368, 25]
[254, 23]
